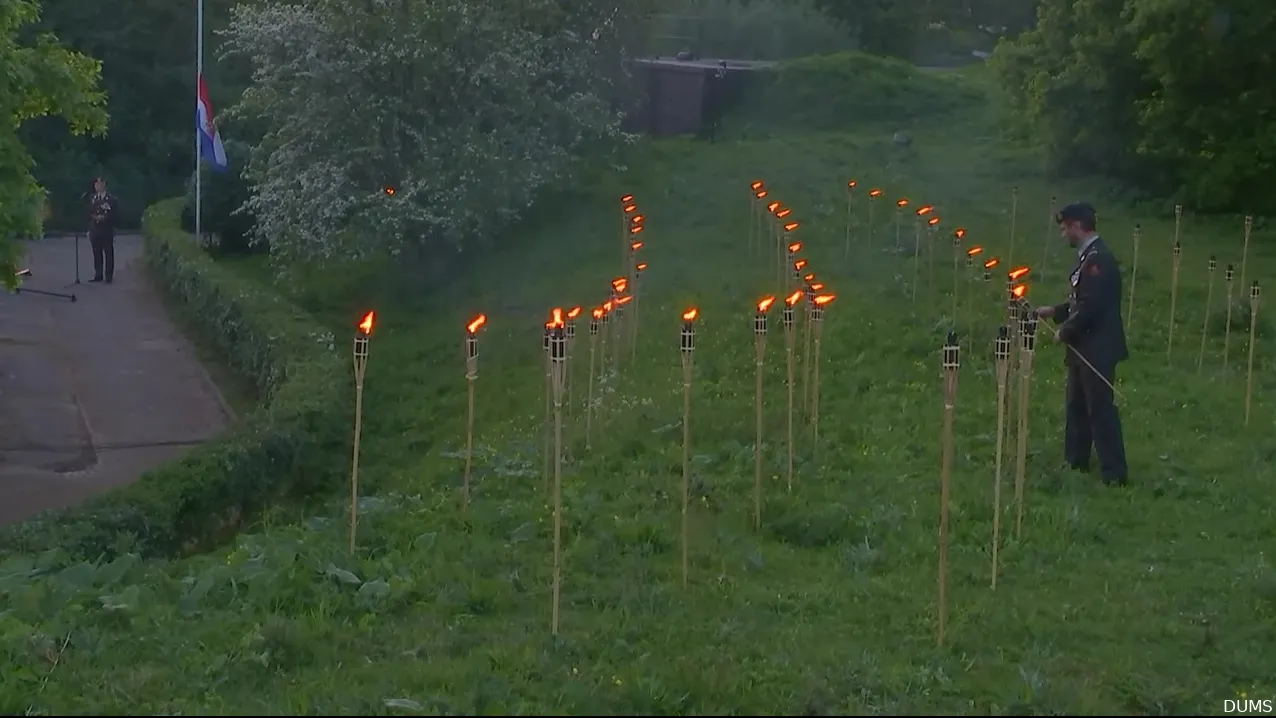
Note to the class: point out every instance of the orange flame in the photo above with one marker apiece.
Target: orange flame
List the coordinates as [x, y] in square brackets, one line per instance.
[642, 267]
[1019, 291]
[690, 315]
[598, 313]
[622, 301]
[973, 251]
[852, 184]
[902, 203]
[793, 298]
[1015, 274]
[927, 209]
[933, 221]
[638, 219]
[992, 263]
[795, 248]
[619, 284]
[765, 304]
[761, 194]
[959, 233]
[573, 313]
[627, 199]
[631, 208]
[824, 299]
[809, 278]
[635, 246]
[556, 318]
[608, 306]
[365, 326]
[389, 191]
[756, 185]
[773, 207]
[636, 229]
[875, 193]
[817, 287]
[799, 265]
[474, 325]
[783, 213]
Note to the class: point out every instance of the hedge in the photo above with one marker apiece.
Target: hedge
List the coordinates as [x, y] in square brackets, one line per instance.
[288, 446]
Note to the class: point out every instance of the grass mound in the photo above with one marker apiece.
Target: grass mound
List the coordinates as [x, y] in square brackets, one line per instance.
[849, 89]
[1157, 599]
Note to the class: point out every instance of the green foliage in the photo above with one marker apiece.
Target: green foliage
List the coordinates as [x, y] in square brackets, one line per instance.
[850, 89]
[1152, 92]
[41, 78]
[225, 197]
[889, 28]
[466, 111]
[750, 29]
[288, 447]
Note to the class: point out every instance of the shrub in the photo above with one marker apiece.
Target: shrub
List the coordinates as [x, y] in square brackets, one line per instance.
[750, 30]
[225, 216]
[284, 448]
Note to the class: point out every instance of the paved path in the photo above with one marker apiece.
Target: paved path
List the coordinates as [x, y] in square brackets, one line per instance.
[93, 392]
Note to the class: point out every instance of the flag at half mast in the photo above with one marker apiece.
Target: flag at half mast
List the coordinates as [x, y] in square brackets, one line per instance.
[210, 140]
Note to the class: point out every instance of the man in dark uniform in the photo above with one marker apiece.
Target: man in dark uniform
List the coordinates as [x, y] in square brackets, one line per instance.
[1090, 324]
[103, 209]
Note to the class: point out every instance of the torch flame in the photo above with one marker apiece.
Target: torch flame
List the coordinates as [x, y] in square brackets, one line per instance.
[619, 284]
[875, 193]
[927, 209]
[784, 213]
[824, 299]
[799, 265]
[959, 233]
[1015, 274]
[638, 219]
[765, 304]
[817, 287]
[852, 184]
[902, 203]
[1019, 291]
[790, 226]
[756, 185]
[635, 246]
[992, 263]
[631, 208]
[933, 221]
[598, 313]
[365, 326]
[973, 251]
[622, 301]
[474, 325]
[795, 248]
[809, 278]
[556, 318]
[793, 298]
[636, 229]
[573, 313]
[627, 199]
[389, 191]
[760, 194]
[642, 267]
[690, 315]
[773, 207]
[607, 306]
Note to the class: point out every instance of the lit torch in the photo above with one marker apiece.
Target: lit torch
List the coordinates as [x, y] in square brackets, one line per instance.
[850, 214]
[1028, 338]
[633, 318]
[1002, 351]
[950, 364]
[627, 209]
[917, 245]
[688, 338]
[596, 319]
[873, 196]
[759, 343]
[789, 303]
[818, 305]
[471, 375]
[558, 360]
[899, 213]
[1174, 283]
[1209, 306]
[1228, 275]
[1254, 292]
[572, 315]
[361, 339]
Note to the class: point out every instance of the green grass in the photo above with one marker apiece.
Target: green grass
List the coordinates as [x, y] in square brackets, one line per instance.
[1153, 600]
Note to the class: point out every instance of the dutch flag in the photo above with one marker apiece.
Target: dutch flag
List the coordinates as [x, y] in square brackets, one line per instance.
[210, 141]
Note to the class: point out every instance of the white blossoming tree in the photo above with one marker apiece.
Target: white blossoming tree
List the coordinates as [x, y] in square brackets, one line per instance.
[401, 125]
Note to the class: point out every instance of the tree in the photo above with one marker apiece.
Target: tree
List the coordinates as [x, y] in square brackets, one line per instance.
[405, 126]
[883, 27]
[40, 79]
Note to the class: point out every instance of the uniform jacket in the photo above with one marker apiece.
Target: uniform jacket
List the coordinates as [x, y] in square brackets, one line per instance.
[102, 212]
[1090, 321]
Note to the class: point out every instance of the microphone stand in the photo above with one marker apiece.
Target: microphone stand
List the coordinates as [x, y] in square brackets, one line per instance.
[22, 274]
[77, 249]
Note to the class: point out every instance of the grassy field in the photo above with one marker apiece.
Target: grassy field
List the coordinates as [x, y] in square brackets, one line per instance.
[1153, 600]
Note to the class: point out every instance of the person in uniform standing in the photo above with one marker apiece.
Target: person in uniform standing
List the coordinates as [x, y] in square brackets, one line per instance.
[103, 209]
[1090, 324]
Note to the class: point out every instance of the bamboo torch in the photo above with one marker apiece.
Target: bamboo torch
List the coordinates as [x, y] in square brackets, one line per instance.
[1014, 217]
[818, 305]
[548, 426]
[917, 245]
[971, 255]
[1228, 274]
[789, 303]
[1209, 306]
[609, 308]
[899, 223]
[951, 356]
[471, 375]
[688, 357]
[958, 234]
[619, 286]
[757, 222]
[572, 315]
[1134, 275]
[558, 361]
[759, 348]
[873, 195]
[1254, 291]
[361, 340]
[1028, 338]
[1174, 287]
[1249, 231]
[785, 228]
[932, 229]
[1002, 351]
[850, 215]
[627, 208]
[633, 321]
[754, 188]
[595, 321]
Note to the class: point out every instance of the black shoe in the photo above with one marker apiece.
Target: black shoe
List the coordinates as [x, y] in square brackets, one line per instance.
[109, 280]
[96, 279]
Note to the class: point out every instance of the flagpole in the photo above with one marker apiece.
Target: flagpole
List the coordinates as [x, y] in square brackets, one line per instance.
[199, 73]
